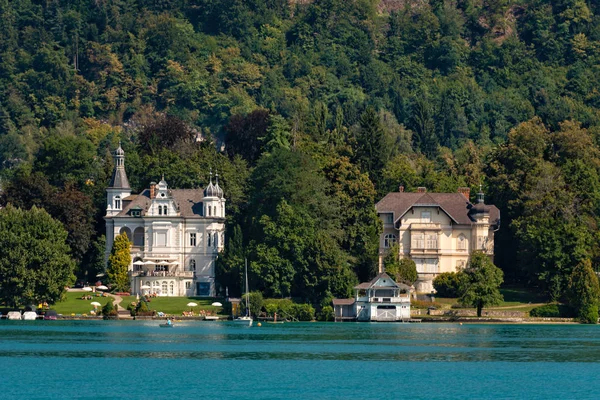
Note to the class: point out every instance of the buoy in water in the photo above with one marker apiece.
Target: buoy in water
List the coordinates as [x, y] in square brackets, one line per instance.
[259, 324]
[461, 323]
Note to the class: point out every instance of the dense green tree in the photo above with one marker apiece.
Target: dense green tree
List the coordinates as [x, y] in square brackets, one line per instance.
[35, 264]
[401, 270]
[118, 263]
[480, 283]
[584, 292]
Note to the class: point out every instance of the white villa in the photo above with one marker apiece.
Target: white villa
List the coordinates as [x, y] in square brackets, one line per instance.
[176, 234]
[439, 231]
[381, 300]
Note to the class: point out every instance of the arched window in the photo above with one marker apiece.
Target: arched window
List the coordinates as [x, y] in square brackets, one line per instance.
[215, 211]
[127, 231]
[138, 237]
[389, 240]
[216, 240]
[209, 209]
[209, 238]
[165, 208]
[164, 287]
[462, 242]
[159, 210]
[148, 283]
[192, 265]
[118, 203]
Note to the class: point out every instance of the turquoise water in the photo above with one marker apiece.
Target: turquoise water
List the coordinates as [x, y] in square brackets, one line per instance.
[218, 360]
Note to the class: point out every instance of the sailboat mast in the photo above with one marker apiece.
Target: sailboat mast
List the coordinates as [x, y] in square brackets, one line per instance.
[247, 294]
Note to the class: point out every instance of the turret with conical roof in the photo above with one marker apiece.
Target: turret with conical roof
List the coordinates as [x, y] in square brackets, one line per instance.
[118, 188]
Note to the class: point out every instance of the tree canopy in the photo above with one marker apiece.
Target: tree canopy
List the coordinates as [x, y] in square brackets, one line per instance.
[35, 261]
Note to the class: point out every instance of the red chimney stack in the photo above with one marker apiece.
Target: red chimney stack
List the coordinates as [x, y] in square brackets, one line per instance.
[465, 191]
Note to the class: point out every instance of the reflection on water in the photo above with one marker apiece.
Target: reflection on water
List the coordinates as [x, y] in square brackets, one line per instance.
[301, 360]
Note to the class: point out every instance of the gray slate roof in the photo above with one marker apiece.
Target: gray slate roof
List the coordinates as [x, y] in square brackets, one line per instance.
[454, 204]
[119, 179]
[372, 282]
[189, 202]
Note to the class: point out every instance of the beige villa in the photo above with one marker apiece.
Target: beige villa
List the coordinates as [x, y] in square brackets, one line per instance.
[439, 231]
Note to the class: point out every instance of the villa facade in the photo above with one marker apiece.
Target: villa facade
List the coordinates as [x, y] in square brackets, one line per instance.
[439, 231]
[176, 234]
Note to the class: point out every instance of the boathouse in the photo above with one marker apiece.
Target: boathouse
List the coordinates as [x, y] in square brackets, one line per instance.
[381, 300]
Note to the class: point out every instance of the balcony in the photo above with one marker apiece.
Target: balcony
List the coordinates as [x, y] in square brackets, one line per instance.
[385, 300]
[425, 226]
[180, 274]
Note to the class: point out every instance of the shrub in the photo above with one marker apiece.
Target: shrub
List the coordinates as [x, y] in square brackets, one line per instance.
[552, 311]
[326, 314]
[446, 284]
[303, 312]
[109, 311]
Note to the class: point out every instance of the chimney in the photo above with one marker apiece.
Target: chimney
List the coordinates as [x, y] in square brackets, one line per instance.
[421, 189]
[401, 189]
[465, 191]
[152, 189]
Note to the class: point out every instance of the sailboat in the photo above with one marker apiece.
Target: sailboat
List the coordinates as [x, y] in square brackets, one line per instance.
[246, 319]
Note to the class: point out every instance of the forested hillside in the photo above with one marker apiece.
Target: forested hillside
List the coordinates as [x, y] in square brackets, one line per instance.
[310, 111]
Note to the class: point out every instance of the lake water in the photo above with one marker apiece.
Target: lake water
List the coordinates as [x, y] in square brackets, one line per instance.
[219, 360]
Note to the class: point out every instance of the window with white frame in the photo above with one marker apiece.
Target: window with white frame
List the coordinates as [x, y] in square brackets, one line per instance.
[427, 265]
[425, 217]
[482, 242]
[388, 218]
[193, 239]
[117, 203]
[389, 240]
[209, 239]
[431, 241]
[462, 242]
[418, 241]
[159, 210]
[171, 288]
[192, 265]
[188, 285]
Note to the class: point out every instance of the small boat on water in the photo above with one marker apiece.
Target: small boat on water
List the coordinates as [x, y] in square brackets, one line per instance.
[211, 318]
[166, 325]
[245, 320]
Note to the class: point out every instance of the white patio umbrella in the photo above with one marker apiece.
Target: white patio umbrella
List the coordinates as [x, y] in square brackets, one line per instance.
[102, 287]
[87, 289]
[95, 304]
[217, 304]
[163, 262]
[174, 263]
[145, 287]
[149, 263]
[192, 304]
[138, 262]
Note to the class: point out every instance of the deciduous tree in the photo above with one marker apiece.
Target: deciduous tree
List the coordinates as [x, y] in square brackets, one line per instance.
[35, 262]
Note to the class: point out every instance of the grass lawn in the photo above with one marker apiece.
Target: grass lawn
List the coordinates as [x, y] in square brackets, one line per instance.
[169, 305]
[74, 305]
[176, 305]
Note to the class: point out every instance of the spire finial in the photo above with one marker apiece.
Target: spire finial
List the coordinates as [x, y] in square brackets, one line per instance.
[480, 194]
[210, 176]
[216, 177]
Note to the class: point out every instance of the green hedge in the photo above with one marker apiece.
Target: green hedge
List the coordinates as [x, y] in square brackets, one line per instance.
[552, 311]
